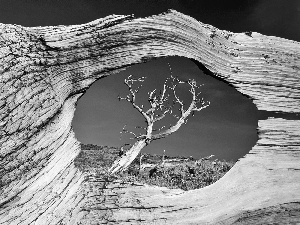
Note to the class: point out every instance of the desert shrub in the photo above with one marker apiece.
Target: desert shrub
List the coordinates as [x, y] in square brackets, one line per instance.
[95, 157]
[100, 158]
[179, 176]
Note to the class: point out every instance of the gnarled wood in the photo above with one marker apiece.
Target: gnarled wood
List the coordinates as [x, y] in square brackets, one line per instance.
[44, 70]
[156, 111]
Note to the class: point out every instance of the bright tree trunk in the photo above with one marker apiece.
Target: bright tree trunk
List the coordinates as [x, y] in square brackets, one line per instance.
[129, 156]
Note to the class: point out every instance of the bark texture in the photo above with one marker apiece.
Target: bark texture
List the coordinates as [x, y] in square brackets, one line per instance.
[43, 72]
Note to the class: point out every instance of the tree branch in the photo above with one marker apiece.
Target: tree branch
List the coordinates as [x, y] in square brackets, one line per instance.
[157, 111]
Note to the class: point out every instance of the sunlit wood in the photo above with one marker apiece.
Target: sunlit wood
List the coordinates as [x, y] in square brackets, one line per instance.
[159, 106]
[45, 70]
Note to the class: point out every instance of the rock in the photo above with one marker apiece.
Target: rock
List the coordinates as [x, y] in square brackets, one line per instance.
[45, 70]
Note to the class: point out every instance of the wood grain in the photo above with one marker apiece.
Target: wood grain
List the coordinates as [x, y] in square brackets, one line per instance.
[43, 72]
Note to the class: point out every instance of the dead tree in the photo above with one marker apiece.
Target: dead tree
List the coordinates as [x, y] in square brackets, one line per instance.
[159, 107]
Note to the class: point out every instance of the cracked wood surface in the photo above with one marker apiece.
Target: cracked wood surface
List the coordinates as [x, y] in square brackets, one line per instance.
[43, 72]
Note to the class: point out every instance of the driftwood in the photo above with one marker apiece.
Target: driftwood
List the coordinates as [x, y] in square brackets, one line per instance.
[43, 72]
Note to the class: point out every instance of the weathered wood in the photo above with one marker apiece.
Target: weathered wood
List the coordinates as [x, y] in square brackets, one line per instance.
[157, 111]
[43, 72]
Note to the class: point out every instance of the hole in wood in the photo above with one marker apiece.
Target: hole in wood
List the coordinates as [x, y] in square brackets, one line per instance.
[225, 129]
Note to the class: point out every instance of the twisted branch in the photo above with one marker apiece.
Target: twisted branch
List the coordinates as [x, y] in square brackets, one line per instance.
[158, 110]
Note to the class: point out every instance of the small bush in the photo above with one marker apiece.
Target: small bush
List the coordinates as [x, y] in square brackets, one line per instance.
[186, 175]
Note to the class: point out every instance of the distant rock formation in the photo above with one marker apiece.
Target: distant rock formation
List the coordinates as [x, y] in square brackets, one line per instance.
[43, 72]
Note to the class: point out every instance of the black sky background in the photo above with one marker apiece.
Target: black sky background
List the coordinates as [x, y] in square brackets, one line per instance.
[227, 128]
[270, 17]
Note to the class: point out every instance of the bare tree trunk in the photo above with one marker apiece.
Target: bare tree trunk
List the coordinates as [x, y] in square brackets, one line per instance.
[157, 111]
[129, 156]
[43, 72]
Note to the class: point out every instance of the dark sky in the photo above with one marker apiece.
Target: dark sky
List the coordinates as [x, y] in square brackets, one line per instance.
[227, 128]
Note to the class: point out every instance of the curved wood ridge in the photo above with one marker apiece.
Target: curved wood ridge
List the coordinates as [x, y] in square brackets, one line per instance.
[43, 72]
